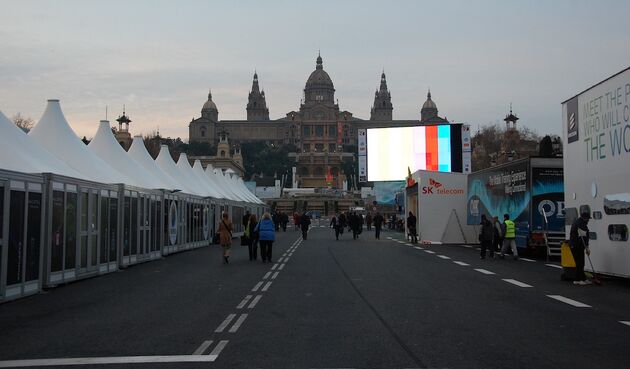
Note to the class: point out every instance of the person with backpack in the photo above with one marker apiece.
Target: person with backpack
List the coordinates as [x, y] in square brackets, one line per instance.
[305, 222]
[225, 236]
[266, 230]
[509, 240]
[252, 237]
[486, 237]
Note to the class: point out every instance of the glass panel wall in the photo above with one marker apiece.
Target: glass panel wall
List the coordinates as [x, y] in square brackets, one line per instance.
[16, 237]
[57, 236]
[71, 230]
[33, 235]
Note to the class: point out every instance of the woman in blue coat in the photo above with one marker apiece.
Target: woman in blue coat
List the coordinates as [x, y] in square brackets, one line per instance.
[266, 235]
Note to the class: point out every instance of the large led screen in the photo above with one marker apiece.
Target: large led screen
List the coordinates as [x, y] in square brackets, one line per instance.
[390, 151]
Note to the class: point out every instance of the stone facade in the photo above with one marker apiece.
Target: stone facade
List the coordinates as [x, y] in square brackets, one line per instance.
[319, 129]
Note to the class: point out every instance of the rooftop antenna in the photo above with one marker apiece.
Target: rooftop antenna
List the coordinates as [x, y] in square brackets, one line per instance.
[105, 112]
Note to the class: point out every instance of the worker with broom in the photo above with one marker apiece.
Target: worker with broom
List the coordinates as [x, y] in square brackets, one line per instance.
[578, 238]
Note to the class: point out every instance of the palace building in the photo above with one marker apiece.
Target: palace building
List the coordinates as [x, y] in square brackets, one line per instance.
[323, 134]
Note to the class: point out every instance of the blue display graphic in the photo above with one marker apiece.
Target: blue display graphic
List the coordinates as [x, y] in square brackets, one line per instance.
[548, 199]
[385, 192]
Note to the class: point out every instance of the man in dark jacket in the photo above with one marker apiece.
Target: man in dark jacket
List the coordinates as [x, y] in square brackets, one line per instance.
[578, 238]
[305, 222]
[486, 236]
[335, 224]
[368, 221]
[411, 226]
[246, 219]
[378, 224]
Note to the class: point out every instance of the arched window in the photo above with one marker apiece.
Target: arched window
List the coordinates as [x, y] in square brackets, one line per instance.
[203, 131]
[222, 153]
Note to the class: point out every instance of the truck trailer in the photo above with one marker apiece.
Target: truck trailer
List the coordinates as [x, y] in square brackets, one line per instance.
[596, 140]
[531, 192]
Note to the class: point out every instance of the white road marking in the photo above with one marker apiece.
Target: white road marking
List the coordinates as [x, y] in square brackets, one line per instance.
[442, 256]
[281, 267]
[389, 238]
[274, 275]
[625, 322]
[569, 301]
[418, 248]
[217, 350]
[238, 324]
[516, 283]
[204, 346]
[478, 249]
[526, 259]
[554, 266]
[107, 360]
[257, 286]
[470, 247]
[483, 271]
[225, 323]
[267, 275]
[254, 302]
[461, 263]
[266, 287]
[429, 252]
[280, 260]
[408, 244]
[274, 266]
[244, 302]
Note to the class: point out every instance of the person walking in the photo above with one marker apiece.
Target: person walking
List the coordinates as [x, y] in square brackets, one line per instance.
[335, 224]
[497, 238]
[296, 221]
[225, 236]
[578, 240]
[266, 230]
[486, 236]
[411, 226]
[378, 224]
[343, 222]
[305, 222]
[252, 237]
[246, 219]
[284, 220]
[509, 240]
[368, 221]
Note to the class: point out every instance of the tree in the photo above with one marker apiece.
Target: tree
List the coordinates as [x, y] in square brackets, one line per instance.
[24, 123]
[546, 147]
[488, 142]
[270, 160]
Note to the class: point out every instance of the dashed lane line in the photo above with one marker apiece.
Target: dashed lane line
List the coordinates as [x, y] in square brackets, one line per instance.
[461, 263]
[257, 286]
[554, 266]
[569, 301]
[626, 322]
[281, 266]
[429, 252]
[443, 257]
[418, 248]
[264, 289]
[217, 350]
[244, 302]
[484, 271]
[408, 244]
[517, 283]
[254, 302]
[267, 275]
[203, 347]
[274, 266]
[280, 260]
[526, 259]
[225, 323]
[238, 323]
[108, 360]
[274, 275]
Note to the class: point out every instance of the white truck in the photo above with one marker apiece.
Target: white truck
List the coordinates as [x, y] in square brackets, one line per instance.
[596, 141]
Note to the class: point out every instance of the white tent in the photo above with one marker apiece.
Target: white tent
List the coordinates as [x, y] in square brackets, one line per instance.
[218, 185]
[166, 163]
[185, 172]
[138, 152]
[105, 146]
[54, 134]
[226, 182]
[246, 190]
[231, 178]
[211, 187]
[18, 152]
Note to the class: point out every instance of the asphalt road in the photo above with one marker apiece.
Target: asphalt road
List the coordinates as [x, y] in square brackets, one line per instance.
[323, 304]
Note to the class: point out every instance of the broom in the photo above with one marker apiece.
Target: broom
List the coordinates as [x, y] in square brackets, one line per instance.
[595, 279]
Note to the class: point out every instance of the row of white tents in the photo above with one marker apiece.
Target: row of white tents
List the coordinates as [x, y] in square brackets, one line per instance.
[70, 211]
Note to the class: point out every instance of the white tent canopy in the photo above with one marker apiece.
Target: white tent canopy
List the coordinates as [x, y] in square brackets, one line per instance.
[217, 185]
[166, 163]
[138, 152]
[54, 134]
[210, 187]
[186, 174]
[105, 146]
[18, 152]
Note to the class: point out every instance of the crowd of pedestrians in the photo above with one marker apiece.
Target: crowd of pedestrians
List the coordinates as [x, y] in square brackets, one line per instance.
[497, 237]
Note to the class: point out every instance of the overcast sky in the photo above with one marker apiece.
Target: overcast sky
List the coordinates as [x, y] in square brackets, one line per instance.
[161, 57]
